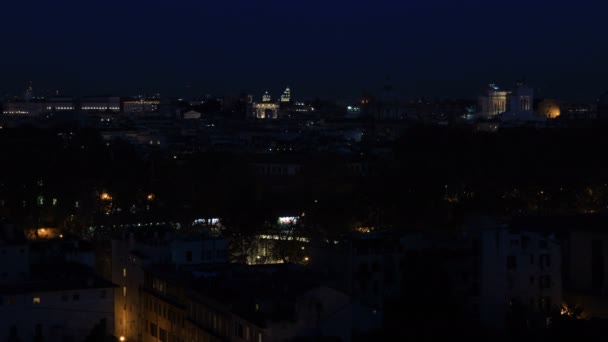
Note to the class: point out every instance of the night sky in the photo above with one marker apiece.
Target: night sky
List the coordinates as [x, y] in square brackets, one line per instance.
[330, 48]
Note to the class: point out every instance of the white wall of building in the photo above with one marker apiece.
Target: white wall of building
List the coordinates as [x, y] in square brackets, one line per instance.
[56, 314]
[518, 267]
[14, 262]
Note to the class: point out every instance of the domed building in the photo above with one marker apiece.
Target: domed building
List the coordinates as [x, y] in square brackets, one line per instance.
[549, 108]
[266, 109]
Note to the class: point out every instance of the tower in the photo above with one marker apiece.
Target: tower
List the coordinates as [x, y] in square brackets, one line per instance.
[266, 97]
[522, 98]
[29, 92]
[286, 96]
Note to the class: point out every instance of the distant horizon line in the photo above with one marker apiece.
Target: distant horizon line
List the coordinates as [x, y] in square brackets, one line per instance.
[8, 93]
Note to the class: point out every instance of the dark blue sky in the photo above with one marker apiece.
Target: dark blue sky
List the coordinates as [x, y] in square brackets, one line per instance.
[439, 48]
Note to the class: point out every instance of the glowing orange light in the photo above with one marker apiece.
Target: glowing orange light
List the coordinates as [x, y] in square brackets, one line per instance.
[151, 197]
[106, 197]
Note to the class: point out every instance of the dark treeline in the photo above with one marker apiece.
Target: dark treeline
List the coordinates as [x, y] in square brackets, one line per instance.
[55, 177]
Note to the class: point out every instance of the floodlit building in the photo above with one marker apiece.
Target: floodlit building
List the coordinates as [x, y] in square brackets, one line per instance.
[522, 98]
[246, 303]
[266, 109]
[512, 107]
[132, 255]
[549, 108]
[286, 96]
[101, 104]
[493, 101]
[24, 108]
[141, 106]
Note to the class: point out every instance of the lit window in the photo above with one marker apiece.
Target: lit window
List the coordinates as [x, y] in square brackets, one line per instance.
[124, 272]
[124, 291]
[36, 300]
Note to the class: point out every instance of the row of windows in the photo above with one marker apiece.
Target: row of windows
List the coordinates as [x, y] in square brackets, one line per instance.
[60, 108]
[65, 297]
[159, 285]
[544, 261]
[276, 170]
[544, 282]
[165, 311]
[246, 333]
[101, 108]
[161, 333]
[525, 242]
[209, 319]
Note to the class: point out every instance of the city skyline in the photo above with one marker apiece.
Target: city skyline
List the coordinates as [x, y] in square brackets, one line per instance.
[341, 49]
[284, 171]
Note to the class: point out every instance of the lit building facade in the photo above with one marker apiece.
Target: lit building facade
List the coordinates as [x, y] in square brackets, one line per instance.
[62, 301]
[522, 98]
[141, 106]
[517, 267]
[286, 96]
[516, 103]
[493, 102]
[549, 108]
[56, 310]
[101, 104]
[141, 316]
[24, 108]
[266, 109]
